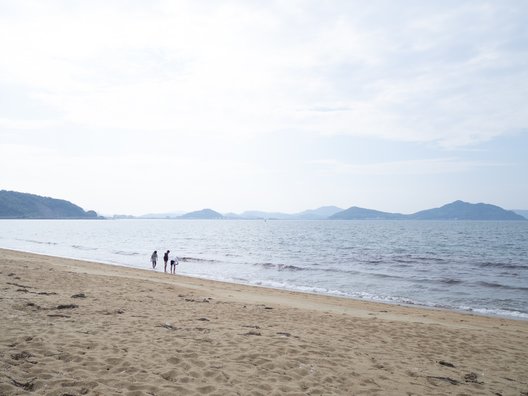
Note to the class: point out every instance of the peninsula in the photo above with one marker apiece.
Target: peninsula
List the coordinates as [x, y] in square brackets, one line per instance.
[17, 205]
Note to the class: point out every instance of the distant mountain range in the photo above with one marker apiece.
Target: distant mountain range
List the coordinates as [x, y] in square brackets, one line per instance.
[167, 215]
[16, 205]
[321, 213]
[318, 214]
[457, 210]
[313, 214]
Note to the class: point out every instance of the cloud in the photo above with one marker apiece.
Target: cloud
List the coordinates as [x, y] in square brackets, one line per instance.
[22, 124]
[401, 168]
[451, 73]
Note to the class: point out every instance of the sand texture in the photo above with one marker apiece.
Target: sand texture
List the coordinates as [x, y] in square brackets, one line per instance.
[70, 327]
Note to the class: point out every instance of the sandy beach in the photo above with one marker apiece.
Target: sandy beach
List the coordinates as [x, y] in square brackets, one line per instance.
[70, 327]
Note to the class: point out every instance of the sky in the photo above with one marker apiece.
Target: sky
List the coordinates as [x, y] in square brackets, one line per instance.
[132, 107]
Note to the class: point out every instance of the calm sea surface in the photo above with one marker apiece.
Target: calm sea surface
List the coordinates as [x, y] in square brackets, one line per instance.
[479, 266]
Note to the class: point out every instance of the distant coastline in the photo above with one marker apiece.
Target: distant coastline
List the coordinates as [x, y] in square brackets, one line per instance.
[17, 205]
[457, 210]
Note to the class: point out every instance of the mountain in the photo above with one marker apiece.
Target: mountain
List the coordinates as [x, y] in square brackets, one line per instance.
[521, 212]
[321, 213]
[355, 213]
[457, 210]
[460, 210]
[256, 214]
[203, 214]
[17, 205]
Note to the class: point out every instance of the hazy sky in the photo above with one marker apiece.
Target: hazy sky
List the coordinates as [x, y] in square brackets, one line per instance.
[134, 107]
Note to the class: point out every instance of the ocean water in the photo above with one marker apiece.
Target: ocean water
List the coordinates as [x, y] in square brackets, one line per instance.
[477, 266]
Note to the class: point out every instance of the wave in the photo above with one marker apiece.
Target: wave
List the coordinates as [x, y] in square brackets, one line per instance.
[80, 247]
[404, 261]
[446, 281]
[501, 286]
[38, 242]
[496, 312]
[283, 267]
[402, 265]
[361, 295]
[197, 260]
[515, 314]
[123, 253]
[436, 259]
[385, 276]
[418, 259]
[294, 287]
[378, 275]
[450, 281]
[489, 264]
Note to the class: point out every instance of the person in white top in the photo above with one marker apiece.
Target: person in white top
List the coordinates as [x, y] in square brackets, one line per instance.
[154, 259]
[173, 263]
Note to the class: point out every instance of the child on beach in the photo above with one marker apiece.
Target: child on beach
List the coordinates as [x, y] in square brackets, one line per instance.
[154, 259]
[173, 263]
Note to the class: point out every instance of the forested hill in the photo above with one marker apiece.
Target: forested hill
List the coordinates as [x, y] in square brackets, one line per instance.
[17, 205]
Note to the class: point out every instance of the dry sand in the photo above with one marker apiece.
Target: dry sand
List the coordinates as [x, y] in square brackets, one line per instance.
[70, 327]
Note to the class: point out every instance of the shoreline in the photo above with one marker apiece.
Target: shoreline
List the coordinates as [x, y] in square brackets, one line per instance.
[78, 327]
[193, 281]
[346, 297]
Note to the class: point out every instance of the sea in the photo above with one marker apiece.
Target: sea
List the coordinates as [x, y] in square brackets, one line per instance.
[474, 266]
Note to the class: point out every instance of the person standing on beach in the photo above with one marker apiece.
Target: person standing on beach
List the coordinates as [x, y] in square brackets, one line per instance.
[166, 258]
[173, 263]
[154, 259]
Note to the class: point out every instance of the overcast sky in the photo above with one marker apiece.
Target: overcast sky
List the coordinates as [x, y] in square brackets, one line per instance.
[133, 107]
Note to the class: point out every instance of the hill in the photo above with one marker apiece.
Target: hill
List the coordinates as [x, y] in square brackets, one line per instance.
[321, 213]
[355, 213]
[204, 214]
[521, 212]
[17, 205]
[460, 210]
[457, 210]
[257, 214]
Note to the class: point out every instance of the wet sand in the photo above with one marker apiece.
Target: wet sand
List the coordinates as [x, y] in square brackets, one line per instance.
[70, 327]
